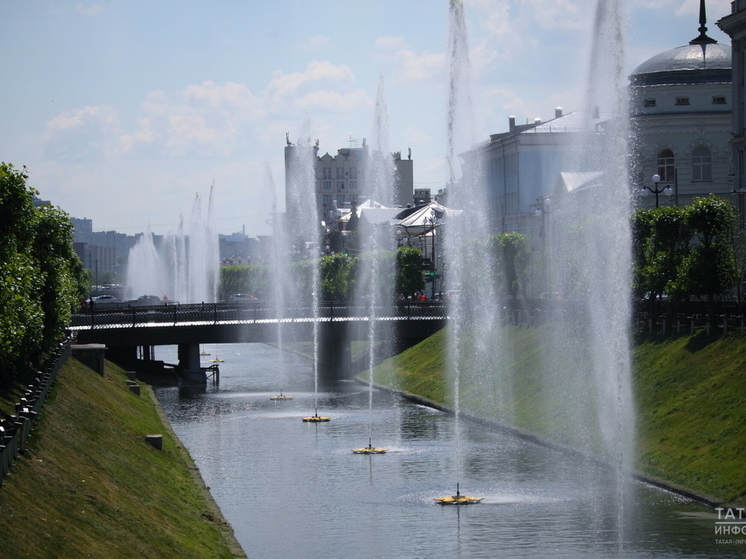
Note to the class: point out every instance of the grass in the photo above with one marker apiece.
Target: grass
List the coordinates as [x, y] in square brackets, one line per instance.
[689, 394]
[90, 486]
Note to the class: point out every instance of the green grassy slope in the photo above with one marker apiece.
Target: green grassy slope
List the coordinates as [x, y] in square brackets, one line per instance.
[90, 486]
[690, 396]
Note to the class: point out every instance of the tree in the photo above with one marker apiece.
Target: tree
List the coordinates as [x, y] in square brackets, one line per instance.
[409, 278]
[42, 281]
[660, 242]
[508, 253]
[709, 269]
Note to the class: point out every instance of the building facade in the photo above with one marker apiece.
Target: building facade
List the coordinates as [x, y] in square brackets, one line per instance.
[735, 26]
[680, 111]
[523, 165]
[343, 179]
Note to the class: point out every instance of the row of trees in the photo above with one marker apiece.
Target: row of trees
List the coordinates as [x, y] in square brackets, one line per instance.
[685, 251]
[339, 276]
[42, 281]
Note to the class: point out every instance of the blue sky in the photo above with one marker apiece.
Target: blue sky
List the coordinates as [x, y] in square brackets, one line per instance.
[123, 110]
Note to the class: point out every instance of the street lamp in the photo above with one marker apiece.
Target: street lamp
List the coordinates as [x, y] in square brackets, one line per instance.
[647, 191]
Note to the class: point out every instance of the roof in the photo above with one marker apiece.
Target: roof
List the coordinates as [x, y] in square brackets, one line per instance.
[692, 63]
[577, 182]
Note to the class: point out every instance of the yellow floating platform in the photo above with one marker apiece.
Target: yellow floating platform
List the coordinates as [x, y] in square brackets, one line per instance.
[369, 450]
[458, 500]
[315, 419]
[281, 397]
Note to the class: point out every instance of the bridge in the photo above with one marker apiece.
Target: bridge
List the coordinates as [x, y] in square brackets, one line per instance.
[125, 330]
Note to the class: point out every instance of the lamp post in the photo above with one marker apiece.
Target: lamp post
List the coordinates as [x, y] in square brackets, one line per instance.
[647, 191]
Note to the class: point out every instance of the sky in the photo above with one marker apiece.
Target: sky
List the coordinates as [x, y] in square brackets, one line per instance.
[124, 111]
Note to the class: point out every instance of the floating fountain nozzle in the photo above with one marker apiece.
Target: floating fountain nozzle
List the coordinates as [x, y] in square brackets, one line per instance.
[315, 418]
[458, 499]
[281, 396]
[370, 449]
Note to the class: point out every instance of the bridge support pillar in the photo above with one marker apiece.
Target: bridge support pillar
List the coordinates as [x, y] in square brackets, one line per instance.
[191, 373]
[335, 361]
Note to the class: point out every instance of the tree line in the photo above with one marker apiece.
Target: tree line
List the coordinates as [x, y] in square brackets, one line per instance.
[42, 280]
[687, 252]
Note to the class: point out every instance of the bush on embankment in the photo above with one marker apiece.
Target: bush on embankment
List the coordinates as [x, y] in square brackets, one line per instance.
[90, 486]
[689, 395]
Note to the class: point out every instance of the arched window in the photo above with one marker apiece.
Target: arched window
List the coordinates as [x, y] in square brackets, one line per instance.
[701, 164]
[666, 168]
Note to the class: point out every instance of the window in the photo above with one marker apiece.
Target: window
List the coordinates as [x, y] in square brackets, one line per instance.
[327, 199]
[718, 100]
[666, 168]
[327, 172]
[327, 185]
[353, 185]
[340, 185]
[340, 200]
[353, 172]
[648, 103]
[682, 101]
[701, 164]
[340, 172]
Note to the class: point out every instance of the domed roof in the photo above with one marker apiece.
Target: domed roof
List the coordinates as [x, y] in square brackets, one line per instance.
[703, 60]
[710, 61]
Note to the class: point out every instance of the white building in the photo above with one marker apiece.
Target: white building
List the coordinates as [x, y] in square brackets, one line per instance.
[523, 164]
[344, 178]
[735, 26]
[681, 111]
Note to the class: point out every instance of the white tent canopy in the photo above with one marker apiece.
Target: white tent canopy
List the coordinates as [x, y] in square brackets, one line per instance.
[424, 218]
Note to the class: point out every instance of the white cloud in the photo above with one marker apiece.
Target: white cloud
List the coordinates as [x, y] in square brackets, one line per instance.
[419, 67]
[88, 132]
[335, 101]
[567, 15]
[391, 43]
[318, 42]
[202, 120]
[283, 85]
[88, 10]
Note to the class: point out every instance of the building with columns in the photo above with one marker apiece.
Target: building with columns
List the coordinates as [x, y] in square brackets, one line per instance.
[735, 26]
[680, 118]
[346, 178]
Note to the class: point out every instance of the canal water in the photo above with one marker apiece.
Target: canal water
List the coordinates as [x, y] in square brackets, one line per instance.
[295, 490]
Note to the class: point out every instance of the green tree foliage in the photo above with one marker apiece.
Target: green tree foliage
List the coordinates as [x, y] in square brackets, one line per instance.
[409, 278]
[685, 251]
[710, 267]
[337, 277]
[509, 256]
[42, 281]
[249, 280]
[660, 242]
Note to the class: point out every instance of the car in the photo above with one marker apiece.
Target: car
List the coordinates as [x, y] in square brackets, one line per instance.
[241, 298]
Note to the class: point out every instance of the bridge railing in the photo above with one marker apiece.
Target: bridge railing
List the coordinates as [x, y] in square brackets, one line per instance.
[250, 312]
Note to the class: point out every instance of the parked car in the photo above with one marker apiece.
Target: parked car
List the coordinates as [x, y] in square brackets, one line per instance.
[241, 298]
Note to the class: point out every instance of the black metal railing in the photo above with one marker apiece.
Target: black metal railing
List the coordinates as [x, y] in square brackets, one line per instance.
[15, 429]
[175, 314]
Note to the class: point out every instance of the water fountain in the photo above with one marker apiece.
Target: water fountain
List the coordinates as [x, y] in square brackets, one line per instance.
[303, 230]
[376, 270]
[279, 268]
[465, 232]
[585, 369]
[184, 267]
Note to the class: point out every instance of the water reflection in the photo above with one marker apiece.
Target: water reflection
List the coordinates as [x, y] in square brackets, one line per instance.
[294, 489]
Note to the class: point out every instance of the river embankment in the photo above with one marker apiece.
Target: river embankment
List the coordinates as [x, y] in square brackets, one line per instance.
[90, 485]
[688, 392]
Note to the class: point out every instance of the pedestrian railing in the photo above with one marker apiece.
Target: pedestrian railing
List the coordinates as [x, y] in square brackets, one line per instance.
[16, 428]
